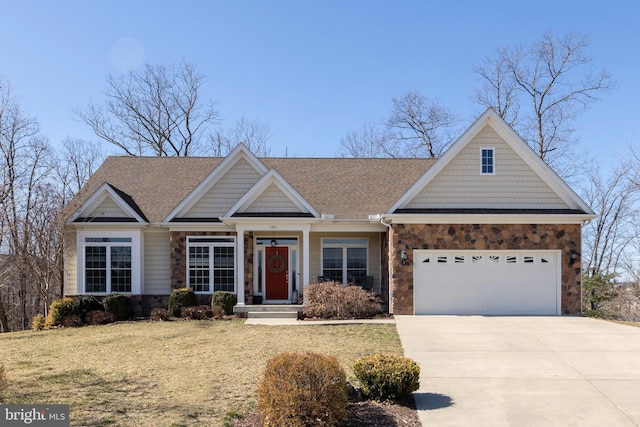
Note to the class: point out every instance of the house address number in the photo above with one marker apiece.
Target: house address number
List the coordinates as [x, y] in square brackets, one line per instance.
[273, 227]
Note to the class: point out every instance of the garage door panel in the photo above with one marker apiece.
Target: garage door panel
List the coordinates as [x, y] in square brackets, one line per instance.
[486, 282]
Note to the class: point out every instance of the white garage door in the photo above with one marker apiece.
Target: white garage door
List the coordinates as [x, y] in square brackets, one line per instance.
[487, 282]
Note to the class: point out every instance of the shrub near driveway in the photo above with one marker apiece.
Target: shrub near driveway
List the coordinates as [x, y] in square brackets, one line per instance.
[182, 373]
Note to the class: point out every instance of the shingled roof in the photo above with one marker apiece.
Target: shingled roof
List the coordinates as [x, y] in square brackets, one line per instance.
[344, 187]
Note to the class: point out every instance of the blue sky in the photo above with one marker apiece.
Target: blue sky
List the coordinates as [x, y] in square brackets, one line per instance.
[312, 70]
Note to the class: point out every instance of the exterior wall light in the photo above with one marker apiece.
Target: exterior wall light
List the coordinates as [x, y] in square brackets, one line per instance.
[573, 256]
[403, 257]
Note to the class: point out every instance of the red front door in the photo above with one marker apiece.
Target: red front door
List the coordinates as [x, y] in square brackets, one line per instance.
[277, 272]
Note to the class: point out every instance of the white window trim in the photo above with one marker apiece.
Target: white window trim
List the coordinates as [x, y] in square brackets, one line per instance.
[493, 151]
[136, 257]
[192, 241]
[344, 246]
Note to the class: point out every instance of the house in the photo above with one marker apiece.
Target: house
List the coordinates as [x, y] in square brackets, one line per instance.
[488, 228]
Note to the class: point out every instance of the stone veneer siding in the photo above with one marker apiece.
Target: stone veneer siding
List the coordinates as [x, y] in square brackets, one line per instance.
[179, 257]
[565, 237]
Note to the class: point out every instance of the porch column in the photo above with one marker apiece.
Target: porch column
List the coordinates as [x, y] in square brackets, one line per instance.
[305, 258]
[240, 266]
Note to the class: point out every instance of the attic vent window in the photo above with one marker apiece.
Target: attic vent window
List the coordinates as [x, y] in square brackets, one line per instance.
[487, 161]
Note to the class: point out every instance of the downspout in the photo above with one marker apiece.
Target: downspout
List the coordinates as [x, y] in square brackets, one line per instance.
[389, 263]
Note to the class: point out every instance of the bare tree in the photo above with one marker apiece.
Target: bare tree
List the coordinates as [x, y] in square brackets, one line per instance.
[156, 110]
[77, 162]
[252, 133]
[368, 142]
[27, 211]
[540, 90]
[609, 236]
[419, 127]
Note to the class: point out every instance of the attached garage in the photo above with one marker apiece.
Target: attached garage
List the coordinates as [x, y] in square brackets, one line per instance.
[514, 282]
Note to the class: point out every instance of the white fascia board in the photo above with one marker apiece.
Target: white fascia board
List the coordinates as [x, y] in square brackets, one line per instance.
[99, 196]
[272, 177]
[488, 218]
[240, 152]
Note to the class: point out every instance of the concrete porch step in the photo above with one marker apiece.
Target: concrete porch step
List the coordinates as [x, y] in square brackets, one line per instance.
[272, 315]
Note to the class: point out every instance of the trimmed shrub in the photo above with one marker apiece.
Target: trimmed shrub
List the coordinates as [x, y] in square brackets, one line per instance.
[218, 312]
[99, 317]
[4, 383]
[160, 314]
[119, 305]
[58, 311]
[224, 299]
[303, 389]
[179, 298]
[387, 376]
[330, 300]
[198, 312]
[38, 322]
[84, 304]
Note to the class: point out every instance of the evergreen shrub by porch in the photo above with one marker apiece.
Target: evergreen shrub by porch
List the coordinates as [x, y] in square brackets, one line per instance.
[302, 390]
[58, 310]
[387, 376]
[179, 298]
[329, 300]
[84, 304]
[119, 305]
[224, 299]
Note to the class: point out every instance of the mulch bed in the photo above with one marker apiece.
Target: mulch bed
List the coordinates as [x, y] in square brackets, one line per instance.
[362, 414]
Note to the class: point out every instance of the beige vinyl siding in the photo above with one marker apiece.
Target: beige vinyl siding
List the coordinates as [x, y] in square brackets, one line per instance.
[272, 200]
[70, 262]
[514, 185]
[108, 208]
[373, 252]
[157, 262]
[225, 192]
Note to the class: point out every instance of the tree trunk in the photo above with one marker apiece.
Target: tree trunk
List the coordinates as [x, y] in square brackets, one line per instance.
[4, 323]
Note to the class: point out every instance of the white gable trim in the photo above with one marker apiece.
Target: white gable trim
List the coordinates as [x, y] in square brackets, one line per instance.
[100, 195]
[238, 153]
[492, 119]
[271, 177]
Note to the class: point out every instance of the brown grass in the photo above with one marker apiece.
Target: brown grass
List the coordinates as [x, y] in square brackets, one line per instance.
[167, 373]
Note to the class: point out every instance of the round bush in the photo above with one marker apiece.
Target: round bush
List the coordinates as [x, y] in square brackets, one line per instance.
[180, 298]
[119, 305]
[329, 300]
[224, 299]
[84, 304]
[303, 389]
[387, 376]
[58, 311]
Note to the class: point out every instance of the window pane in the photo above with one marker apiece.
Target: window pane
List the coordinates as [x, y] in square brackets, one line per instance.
[199, 275]
[356, 264]
[121, 269]
[223, 268]
[332, 264]
[487, 161]
[95, 269]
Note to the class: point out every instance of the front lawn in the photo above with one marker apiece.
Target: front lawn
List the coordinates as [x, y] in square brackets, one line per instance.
[167, 374]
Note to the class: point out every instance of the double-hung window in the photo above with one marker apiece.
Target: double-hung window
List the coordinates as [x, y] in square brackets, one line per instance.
[487, 161]
[108, 264]
[344, 260]
[211, 264]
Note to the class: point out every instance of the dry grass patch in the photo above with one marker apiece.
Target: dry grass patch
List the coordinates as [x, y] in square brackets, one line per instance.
[167, 374]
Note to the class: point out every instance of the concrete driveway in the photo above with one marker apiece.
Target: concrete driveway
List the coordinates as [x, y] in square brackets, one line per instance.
[524, 371]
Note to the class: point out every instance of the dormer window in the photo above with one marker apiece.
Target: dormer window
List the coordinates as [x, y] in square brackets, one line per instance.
[487, 161]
